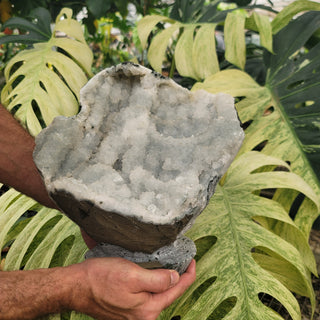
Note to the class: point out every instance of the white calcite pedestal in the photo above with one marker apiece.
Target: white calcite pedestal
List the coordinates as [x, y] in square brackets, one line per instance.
[139, 162]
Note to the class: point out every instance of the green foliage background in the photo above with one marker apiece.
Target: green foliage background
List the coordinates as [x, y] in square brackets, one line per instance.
[250, 240]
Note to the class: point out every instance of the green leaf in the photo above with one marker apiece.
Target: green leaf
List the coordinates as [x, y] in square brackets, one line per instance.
[277, 122]
[186, 10]
[204, 59]
[98, 7]
[279, 269]
[158, 47]
[183, 53]
[228, 267]
[235, 39]
[38, 31]
[12, 206]
[43, 80]
[147, 24]
[289, 11]
[195, 52]
[78, 316]
[263, 26]
[68, 26]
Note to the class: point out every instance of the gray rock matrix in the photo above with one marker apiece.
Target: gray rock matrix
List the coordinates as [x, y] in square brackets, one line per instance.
[139, 162]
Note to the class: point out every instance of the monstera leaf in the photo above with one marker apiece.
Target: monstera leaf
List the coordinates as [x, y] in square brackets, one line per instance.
[193, 42]
[195, 52]
[283, 116]
[234, 249]
[247, 243]
[45, 81]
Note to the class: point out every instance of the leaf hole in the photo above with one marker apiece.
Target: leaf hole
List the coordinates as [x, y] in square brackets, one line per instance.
[274, 304]
[268, 111]
[55, 70]
[196, 294]
[246, 124]
[203, 287]
[15, 109]
[203, 245]
[60, 255]
[260, 146]
[39, 238]
[295, 85]
[4, 188]
[296, 204]
[238, 99]
[267, 193]
[304, 104]
[13, 69]
[223, 309]
[37, 112]
[42, 86]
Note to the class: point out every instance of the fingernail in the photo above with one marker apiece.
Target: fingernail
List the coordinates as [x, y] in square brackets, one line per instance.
[174, 278]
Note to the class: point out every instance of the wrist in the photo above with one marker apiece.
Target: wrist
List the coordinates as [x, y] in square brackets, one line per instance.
[76, 293]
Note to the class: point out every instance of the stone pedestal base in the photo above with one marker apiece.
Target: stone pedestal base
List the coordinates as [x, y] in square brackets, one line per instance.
[176, 256]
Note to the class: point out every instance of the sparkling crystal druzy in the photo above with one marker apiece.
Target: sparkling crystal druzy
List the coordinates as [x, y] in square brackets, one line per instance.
[141, 160]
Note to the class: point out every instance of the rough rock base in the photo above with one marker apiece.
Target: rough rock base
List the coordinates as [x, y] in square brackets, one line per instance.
[176, 256]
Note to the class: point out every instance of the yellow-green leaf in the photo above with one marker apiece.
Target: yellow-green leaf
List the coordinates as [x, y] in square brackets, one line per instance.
[235, 39]
[158, 47]
[264, 27]
[289, 11]
[183, 52]
[49, 82]
[271, 126]
[204, 56]
[228, 269]
[68, 26]
[146, 25]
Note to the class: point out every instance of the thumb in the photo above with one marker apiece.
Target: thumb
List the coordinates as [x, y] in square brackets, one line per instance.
[158, 280]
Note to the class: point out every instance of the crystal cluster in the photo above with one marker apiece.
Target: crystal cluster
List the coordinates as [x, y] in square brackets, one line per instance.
[139, 162]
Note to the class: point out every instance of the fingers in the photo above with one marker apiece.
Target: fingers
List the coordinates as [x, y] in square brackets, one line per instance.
[156, 281]
[132, 291]
[160, 280]
[166, 298]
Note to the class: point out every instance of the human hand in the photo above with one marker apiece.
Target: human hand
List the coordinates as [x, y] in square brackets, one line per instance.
[115, 288]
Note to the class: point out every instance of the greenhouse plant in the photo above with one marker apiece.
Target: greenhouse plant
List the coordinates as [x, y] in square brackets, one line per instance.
[252, 239]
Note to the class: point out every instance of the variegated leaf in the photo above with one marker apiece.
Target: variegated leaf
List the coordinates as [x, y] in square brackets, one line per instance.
[158, 46]
[228, 270]
[289, 11]
[184, 51]
[204, 61]
[235, 39]
[49, 82]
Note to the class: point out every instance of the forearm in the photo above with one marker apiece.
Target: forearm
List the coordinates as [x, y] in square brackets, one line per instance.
[31, 294]
[103, 288]
[17, 168]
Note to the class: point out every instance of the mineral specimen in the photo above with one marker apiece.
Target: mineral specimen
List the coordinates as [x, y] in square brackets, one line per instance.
[140, 161]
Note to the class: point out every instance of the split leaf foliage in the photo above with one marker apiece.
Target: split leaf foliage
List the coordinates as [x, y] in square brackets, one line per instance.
[235, 268]
[282, 116]
[195, 43]
[52, 71]
[247, 243]
[43, 82]
[255, 245]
